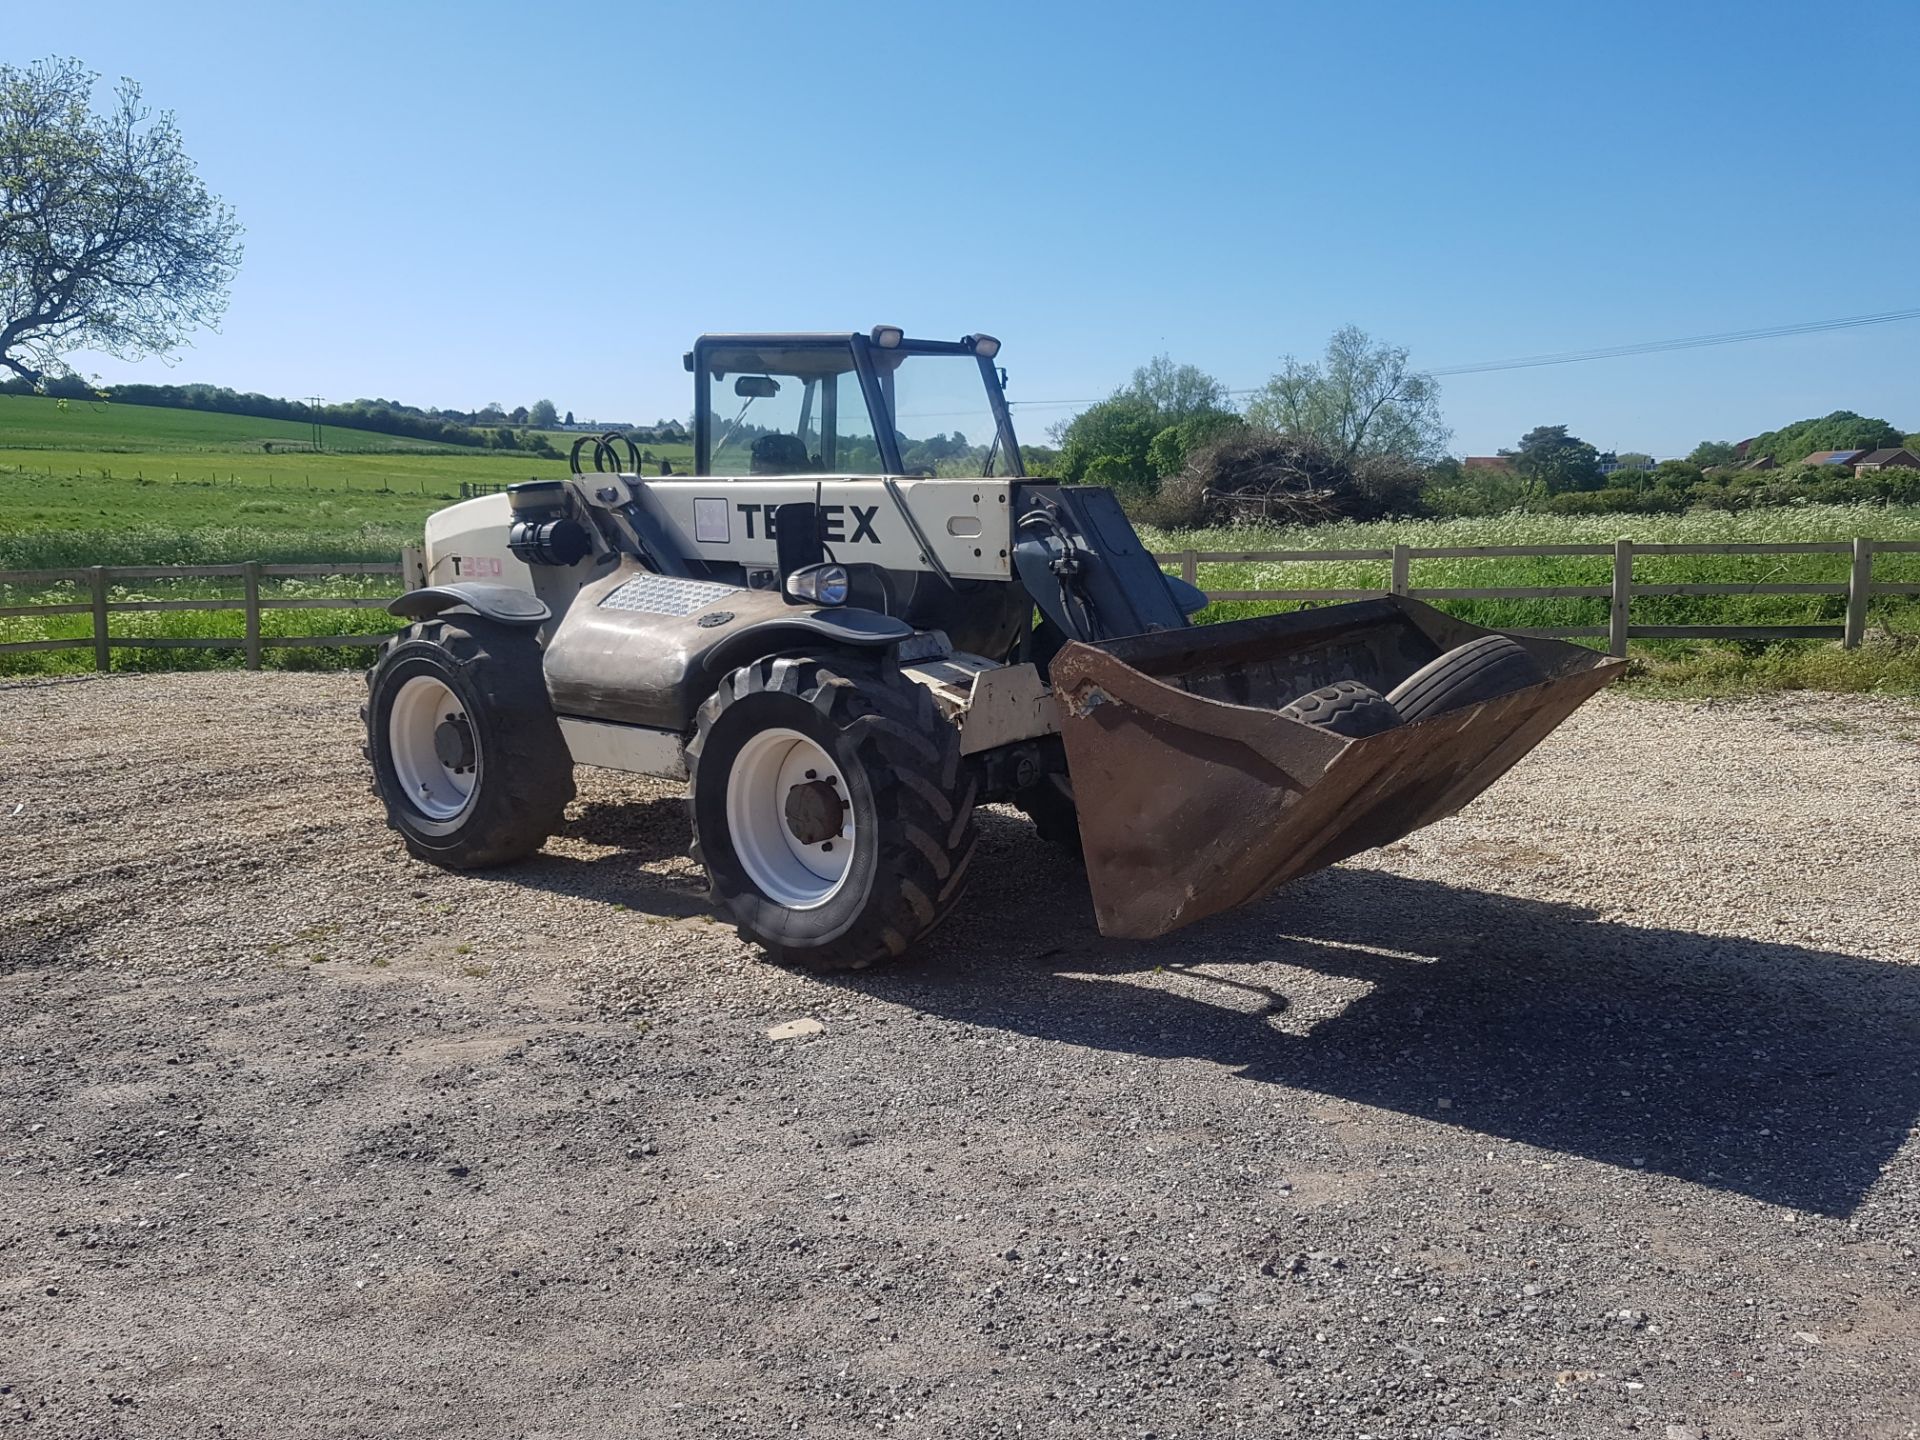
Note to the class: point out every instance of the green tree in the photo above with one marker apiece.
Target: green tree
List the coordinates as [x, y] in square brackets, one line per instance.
[108, 239]
[1709, 453]
[1361, 400]
[1678, 472]
[569, 417]
[1171, 447]
[1116, 435]
[1842, 430]
[1121, 429]
[1554, 462]
[542, 415]
[1176, 392]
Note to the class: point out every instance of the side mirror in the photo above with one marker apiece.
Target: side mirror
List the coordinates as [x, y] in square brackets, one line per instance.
[796, 540]
[756, 387]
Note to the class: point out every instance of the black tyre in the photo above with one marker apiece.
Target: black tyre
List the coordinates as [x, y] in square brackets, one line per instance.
[831, 809]
[1345, 707]
[1050, 806]
[1478, 670]
[466, 754]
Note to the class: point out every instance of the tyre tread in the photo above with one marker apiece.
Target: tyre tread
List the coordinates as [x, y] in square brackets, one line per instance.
[1345, 707]
[1479, 670]
[924, 793]
[529, 769]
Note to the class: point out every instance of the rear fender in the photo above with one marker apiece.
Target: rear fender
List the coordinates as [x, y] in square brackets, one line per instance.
[504, 603]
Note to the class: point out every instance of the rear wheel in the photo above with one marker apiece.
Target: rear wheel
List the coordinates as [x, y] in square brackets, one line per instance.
[466, 754]
[831, 809]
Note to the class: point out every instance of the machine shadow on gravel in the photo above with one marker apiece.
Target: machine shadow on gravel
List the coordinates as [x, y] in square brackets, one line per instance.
[1771, 1070]
[636, 834]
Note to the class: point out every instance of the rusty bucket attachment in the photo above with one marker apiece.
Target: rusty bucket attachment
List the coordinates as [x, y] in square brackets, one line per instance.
[1196, 795]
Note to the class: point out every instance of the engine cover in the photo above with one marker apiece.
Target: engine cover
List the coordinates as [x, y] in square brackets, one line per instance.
[645, 649]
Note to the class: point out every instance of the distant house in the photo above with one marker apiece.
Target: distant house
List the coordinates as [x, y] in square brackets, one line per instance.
[1833, 457]
[1610, 463]
[1765, 462]
[1500, 464]
[1740, 450]
[1895, 459]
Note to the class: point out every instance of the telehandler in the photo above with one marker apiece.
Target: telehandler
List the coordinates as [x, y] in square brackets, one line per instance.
[844, 640]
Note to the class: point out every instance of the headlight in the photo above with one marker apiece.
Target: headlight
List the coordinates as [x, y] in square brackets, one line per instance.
[821, 584]
[985, 346]
[888, 337]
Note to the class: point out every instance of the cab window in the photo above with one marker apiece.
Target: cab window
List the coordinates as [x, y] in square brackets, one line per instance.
[788, 411]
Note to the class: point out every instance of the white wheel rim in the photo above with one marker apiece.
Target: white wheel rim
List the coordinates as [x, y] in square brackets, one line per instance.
[436, 789]
[786, 869]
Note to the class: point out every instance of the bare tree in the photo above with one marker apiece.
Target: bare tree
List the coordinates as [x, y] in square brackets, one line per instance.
[1364, 401]
[108, 239]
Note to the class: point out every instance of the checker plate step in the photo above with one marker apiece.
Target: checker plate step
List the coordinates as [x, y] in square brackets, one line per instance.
[666, 595]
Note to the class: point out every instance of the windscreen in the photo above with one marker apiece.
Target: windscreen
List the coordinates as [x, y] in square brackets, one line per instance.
[791, 411]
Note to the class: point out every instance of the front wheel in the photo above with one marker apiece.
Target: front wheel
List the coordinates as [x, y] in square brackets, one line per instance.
[832, 810]
[466, 753]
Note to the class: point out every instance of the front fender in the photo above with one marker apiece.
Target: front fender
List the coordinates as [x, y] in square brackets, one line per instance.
[497, 602]
[843, 625]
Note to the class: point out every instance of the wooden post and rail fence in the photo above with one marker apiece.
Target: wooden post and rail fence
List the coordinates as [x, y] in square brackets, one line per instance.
[98, 582]
[1859, 589]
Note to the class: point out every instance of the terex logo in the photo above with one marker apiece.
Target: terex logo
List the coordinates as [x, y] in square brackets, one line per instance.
[467, 567]
[833, 522]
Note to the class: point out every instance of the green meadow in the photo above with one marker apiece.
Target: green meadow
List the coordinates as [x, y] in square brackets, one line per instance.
[1889, 661]
[133, 485]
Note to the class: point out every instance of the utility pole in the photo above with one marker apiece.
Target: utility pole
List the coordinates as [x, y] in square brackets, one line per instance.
[314, 402]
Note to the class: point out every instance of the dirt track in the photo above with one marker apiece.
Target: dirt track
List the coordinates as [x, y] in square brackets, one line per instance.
[1589, 1112]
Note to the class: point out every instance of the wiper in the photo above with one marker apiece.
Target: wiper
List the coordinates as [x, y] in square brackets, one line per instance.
[735, 425]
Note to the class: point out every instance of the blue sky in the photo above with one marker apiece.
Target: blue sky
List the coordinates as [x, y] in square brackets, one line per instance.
[454, 204]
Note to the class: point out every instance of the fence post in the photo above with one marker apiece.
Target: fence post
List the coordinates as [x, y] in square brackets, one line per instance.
[1190, 568]
[1622, 593]
[252, 571]
[97, 578]
[1402, 580]
[1859, 591]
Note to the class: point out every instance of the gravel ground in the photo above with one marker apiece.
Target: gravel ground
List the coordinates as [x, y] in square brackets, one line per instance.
[1589, 1112]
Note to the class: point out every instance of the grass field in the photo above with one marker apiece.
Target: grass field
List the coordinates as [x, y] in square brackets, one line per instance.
[134, 485]
[158, 445]
[30, 422]
[143, 485]
[1888, 663]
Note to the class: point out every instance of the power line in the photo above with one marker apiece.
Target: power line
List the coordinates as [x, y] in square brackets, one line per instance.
[1688, 342]
[1610, 352]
